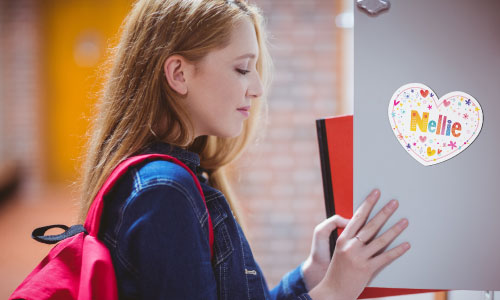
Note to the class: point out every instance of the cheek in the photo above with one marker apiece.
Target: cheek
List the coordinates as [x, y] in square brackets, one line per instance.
[215, 81]
[228, 89]
[235, 86]
[219, 92]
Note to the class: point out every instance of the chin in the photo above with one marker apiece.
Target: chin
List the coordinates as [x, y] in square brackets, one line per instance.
[230, 134]
[233, 135]
[235, 130]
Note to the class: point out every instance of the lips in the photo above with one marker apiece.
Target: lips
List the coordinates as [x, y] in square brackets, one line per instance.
[245, 108]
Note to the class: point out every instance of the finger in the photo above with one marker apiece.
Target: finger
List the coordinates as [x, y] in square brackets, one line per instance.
[361, 214]
[386, 238]
[373, 226]
[389, 256]
[327, 226]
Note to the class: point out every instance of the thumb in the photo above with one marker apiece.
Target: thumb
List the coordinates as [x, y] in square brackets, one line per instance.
[332, 223]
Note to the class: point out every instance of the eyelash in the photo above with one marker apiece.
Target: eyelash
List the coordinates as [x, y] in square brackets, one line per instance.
[242, 72]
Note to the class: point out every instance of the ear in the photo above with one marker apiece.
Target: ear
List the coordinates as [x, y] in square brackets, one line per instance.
[176, 68]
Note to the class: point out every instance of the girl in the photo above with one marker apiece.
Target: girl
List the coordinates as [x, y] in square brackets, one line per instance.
[189, 79]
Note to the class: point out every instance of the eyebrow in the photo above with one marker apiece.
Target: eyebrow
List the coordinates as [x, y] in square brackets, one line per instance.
[250, 55]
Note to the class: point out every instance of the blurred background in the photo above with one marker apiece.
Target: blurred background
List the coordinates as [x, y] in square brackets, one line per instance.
[50, 54]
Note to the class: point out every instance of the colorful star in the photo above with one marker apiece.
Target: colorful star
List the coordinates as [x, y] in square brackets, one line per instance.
[477, 109]
[408, 146]
[467, 101]
[452, 145]
[418, 103]
[429, 107]
[466, 116]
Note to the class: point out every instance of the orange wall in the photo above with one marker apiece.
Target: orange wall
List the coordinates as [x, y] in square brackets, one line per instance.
[75, 37]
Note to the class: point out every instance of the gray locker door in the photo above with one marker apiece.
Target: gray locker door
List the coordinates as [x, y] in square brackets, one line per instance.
[453, 207]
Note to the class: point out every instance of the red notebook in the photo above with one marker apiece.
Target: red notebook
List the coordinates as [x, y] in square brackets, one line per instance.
[335, 139]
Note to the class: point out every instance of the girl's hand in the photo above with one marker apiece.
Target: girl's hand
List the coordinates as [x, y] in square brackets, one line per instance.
[316, 264]
[358, 254]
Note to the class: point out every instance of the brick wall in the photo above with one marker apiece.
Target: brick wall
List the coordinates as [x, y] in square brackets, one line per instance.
[20, 105]
[280, 185]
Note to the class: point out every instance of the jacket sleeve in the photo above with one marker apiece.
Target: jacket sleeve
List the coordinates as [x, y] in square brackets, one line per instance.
[291, 286]
[162, 243]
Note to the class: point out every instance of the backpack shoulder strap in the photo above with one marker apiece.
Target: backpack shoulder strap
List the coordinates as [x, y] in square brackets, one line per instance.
[93, 219]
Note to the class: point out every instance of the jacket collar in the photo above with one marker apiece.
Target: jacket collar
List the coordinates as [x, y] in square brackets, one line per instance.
[191, 159]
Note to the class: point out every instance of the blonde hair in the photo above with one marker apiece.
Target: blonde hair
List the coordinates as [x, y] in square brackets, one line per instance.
[137, 106]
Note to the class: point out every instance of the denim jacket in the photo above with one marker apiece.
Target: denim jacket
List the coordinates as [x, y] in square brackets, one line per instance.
[155, 225]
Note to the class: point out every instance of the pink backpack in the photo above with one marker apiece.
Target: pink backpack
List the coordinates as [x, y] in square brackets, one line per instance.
[80, 267]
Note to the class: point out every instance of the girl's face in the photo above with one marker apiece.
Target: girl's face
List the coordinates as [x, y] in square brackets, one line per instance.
[225, 80]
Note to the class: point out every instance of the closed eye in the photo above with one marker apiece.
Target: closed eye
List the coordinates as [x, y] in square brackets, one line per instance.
[243, 72]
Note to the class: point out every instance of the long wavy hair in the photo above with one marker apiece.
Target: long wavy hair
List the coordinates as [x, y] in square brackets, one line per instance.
[137, 107]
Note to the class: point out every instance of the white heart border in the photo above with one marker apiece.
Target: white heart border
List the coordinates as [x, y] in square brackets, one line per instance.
[438, 103]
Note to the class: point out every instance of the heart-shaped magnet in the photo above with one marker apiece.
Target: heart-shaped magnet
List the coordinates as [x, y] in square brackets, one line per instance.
[433, 130]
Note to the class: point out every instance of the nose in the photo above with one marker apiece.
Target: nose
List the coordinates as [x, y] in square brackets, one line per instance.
[255, 89]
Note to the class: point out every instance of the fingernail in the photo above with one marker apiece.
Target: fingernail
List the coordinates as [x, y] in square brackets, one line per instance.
[376, 192]
[403, 223]
[392, 203]
[406, 246]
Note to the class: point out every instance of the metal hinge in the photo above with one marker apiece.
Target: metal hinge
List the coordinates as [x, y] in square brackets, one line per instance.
[373, 7]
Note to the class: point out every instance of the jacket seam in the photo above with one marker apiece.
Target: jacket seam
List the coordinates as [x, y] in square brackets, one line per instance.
[213, 196]
[121, 211]
[220, 216]
[222, 254]
[244, 264]
[137, 179]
